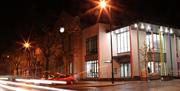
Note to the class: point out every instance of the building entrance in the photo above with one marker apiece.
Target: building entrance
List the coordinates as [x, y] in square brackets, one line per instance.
[92, 69]
[125, 70]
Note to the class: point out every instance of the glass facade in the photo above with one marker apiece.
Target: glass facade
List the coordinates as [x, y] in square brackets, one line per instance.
[155, 42]
[157, 52]
[123, 40]
[92, 69]
[125, 70]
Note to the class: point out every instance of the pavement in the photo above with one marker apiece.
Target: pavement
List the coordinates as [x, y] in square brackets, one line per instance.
[91, 84]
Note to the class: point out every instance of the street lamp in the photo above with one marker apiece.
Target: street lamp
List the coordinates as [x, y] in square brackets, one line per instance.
[61, 30]
[103, 5]
[27, 45]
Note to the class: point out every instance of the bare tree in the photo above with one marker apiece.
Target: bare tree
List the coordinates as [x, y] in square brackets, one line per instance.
[54, 45]
[145, 57]
[17, 60]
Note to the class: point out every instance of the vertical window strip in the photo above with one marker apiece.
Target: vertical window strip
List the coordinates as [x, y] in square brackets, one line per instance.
[154, 37]
[126, 41]
[118, 41]
[123, 41]
[164, 44]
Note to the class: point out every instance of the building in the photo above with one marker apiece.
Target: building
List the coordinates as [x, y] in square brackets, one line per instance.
[134, 48]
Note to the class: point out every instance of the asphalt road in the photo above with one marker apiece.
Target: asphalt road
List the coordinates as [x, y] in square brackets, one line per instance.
[157, 85]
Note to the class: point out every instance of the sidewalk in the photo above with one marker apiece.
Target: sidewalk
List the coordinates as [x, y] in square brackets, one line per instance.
[92, 84]
[99, 83]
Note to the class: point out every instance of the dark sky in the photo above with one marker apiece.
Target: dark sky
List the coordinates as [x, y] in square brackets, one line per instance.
[18, 16]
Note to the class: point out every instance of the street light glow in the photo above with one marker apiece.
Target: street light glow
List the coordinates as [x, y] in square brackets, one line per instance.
[171, 31]
[166, 30]
[26, 45]
[135, 25]
[142, 26]
[161, 29]
[103, 4]
[61, 29]
[148, 27]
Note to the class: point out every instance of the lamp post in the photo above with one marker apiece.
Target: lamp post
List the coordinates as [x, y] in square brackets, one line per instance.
[61, 30]
[103, 5]
[27, 46]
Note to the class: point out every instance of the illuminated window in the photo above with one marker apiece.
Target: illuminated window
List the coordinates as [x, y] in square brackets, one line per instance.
[123, 40]
[125, 70]
[155, 42]
[92, 68]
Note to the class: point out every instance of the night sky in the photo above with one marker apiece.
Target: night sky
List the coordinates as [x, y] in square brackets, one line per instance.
[18, 16]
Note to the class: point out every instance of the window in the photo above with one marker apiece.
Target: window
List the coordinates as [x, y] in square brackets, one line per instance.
[155, 41]
[125, 70]
[158, 67]
[91, 45]
[92, 68]
[123, 40]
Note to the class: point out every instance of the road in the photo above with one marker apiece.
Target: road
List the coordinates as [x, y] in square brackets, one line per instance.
[157, 85]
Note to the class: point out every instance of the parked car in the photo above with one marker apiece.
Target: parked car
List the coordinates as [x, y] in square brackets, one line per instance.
[62, 77]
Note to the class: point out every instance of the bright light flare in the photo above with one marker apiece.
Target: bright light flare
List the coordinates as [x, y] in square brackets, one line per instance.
[61, 30]
[26, 45]
[103, 4]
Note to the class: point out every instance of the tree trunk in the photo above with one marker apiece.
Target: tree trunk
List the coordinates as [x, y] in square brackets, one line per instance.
[17, 72]
[46, 68]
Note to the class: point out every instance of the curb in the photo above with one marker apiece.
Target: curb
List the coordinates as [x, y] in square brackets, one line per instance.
[104, 85]
[91, 85]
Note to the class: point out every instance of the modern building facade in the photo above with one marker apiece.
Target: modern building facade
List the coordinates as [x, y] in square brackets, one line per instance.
[134, 48]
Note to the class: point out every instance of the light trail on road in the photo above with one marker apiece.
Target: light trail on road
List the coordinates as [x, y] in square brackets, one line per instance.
[4, 84]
